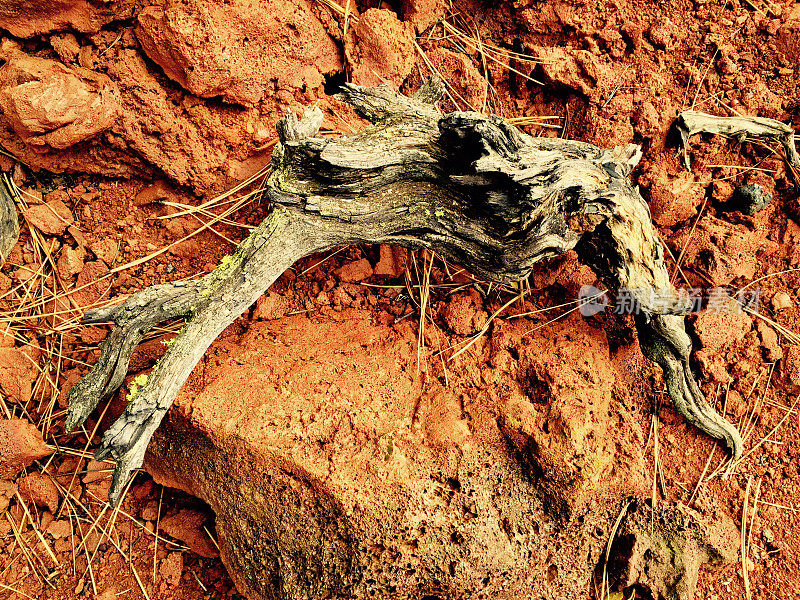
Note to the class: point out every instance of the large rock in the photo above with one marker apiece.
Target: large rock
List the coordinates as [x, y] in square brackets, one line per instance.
[27, 18]
[240, 50]
[335, 471]
[665, 560]
[49, 103]
[164, 130]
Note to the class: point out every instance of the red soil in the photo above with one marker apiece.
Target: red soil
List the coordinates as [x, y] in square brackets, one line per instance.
[613, 72]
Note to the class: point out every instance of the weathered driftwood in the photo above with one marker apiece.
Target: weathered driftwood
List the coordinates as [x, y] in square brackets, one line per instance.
[473, 188]
[742, 129]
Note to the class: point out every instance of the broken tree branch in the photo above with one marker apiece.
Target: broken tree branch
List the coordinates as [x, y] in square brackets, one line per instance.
[741, 129]
[473, 188]
[9, 223]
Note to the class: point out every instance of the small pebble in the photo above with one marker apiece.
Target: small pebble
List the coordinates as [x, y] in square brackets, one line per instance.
[781, 301]
[749, 199]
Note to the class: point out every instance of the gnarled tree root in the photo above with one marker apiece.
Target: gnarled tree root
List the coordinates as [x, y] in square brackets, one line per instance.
[473, 188]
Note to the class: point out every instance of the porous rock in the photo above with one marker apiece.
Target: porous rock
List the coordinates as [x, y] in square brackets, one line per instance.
[423, 13]
[378, 483]
[240, 50]
[50, 104]
[559, 421]
[27, 18]
[749, 199]
[17, 374]
[380, 49]
[20, 444]
[665, 561]
[39, 489]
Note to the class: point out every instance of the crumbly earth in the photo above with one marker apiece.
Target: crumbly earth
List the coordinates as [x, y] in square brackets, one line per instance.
[135, 115]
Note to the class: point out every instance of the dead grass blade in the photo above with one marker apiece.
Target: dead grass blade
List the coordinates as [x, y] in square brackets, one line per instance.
[743, 538]
[604, 589]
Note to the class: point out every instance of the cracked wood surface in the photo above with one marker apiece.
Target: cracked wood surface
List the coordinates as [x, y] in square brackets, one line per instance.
[472, 188]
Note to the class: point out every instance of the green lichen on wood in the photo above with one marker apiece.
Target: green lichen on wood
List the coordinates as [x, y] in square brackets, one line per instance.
[136, 386]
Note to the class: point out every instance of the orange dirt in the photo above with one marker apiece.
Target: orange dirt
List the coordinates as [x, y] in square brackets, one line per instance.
[612, 73]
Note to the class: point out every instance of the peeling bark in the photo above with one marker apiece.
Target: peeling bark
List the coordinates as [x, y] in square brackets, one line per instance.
[472, 188]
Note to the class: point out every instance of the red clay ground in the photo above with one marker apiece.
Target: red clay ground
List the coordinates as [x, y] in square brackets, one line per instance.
[639, 63]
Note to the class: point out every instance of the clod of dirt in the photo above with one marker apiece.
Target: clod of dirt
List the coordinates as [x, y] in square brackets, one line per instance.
[160, 190]
[271, 306]
[380, 49]
[665, 560]
[17, 373]
[7, 491]
[187, 526]
[58, 530]
[782, 301]
[464, 313]
[673, 200]
[653, 120]
[463, 76]
[560, 422]
[787, 35]
[20, 444]
[720, 329]
[48, 103]
[243, 51]
[171, 568]
[392, 262]
[39, 489]
[355, 271]
[665, 34]
[26, 18]
[578, 70]
[423, 13]
[51, 218]
[330, 485]
[66, 46]
[790, 369]
[88, 287]
[723, 251]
